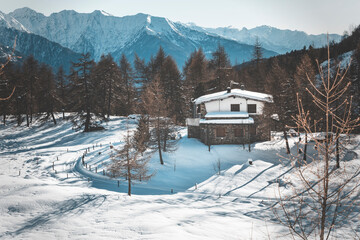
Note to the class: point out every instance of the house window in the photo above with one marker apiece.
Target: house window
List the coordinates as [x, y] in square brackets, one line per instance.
[220, 132]
[239, 132]
[251, 108]
[235, 107]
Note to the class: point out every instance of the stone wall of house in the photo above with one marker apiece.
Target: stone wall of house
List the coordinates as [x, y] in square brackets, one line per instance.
[263, 128]
[208, 134]
[193, 131]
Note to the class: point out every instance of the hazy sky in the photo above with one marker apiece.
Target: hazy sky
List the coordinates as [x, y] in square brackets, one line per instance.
[311, 16]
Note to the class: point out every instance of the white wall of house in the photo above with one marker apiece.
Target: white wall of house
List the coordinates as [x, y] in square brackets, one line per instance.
[224, 105]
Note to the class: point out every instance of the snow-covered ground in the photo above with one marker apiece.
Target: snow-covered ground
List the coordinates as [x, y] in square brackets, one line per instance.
[46, 193]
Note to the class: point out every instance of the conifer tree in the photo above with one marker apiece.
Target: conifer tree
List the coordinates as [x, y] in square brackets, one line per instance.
[82, 88]
[220, 68]
[258, 52]
[106, 78]
[196, 75]
[171, 84]
[127, 78]
[283, 91]
[30, 76]
[141, 73]
[46, 93]
[61, 88]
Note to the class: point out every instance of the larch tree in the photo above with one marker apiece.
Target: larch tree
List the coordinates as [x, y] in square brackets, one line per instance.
[142, 134]
[129, 163]
[161, 126]
[305, 70]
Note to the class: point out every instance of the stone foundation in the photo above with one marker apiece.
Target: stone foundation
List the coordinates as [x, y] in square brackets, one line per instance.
[208, 134]
[193, 132]
[259, 131]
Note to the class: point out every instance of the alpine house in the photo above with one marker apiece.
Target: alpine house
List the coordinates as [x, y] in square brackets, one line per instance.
[234, 116]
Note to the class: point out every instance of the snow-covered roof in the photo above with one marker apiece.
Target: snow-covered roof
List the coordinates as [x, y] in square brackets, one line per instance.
[227, 115]
[235, 93]
[227, 121]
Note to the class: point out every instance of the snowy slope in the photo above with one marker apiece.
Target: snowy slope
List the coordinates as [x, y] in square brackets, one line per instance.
[70, 201]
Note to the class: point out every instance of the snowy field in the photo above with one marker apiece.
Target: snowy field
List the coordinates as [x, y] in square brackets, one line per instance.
[46, 193]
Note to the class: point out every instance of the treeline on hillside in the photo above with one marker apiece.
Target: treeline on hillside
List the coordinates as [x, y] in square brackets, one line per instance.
[285, 76]
[98, 90]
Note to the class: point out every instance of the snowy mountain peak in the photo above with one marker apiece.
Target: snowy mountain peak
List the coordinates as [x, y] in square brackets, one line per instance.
[101, 13]
[25, 11]
[271, 38]
[10, 22]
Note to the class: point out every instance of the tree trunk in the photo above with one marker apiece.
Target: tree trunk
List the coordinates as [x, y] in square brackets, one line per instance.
[207, 137]
[337, 152]
[158, 136]
[53, 117]
[305, 147]
[129, 177]
[27, 120]
[19, 119]
[286, 142]
[109, 101]
[165, 139]
[160, 155]
[87, 121]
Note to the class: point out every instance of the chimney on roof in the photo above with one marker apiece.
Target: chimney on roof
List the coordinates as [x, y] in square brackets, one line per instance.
[228, 89]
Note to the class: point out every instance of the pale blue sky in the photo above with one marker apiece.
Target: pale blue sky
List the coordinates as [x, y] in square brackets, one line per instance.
[311, 16]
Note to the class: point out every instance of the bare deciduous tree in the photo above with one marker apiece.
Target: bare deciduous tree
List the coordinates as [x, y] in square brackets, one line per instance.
[129, 163]
[162, 127]
[323, 196]
[2, 66]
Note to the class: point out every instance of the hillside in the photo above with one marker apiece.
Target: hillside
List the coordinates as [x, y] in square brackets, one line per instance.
[70, 201]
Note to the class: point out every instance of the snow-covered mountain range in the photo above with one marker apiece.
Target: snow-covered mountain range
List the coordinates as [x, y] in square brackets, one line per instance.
[271, 38]
[101, 33]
